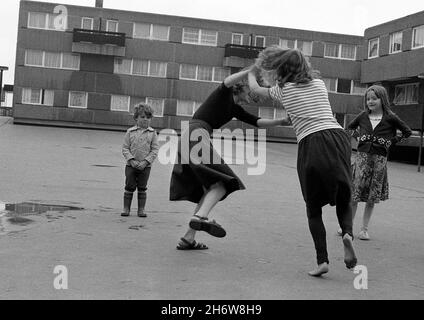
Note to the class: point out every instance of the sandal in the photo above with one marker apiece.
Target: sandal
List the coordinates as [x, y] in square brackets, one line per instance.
[211, 227]
[187, 245]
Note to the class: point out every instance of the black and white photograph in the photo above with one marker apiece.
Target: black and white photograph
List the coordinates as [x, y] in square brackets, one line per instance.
[211, 157]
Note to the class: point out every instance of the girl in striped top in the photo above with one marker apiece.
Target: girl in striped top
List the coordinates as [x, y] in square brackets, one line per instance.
[324, 149]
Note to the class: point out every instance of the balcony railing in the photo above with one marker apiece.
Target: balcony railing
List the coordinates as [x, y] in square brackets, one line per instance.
[240, 51]
[99, 37]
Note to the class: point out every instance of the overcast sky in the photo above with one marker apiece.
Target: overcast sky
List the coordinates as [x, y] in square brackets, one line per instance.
[338, 16]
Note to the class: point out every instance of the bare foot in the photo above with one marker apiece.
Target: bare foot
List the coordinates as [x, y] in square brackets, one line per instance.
[320, 270]
[349, 253]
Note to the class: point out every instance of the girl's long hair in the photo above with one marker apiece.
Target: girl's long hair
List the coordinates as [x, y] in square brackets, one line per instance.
[381, 94]
[288, 65]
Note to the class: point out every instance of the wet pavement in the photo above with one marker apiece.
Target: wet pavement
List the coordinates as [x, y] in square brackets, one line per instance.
[77, 178]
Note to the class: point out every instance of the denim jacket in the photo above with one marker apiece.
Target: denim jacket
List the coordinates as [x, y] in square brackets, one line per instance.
[379, 139]
[140, 144]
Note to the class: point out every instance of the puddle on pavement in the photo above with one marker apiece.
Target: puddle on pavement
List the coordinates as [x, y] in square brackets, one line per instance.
[104, 166]
[12, 215]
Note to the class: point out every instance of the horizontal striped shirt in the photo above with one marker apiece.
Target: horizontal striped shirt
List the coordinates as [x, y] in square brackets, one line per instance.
[307, 106]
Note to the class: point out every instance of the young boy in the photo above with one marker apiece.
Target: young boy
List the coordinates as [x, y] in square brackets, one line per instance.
[140, 149]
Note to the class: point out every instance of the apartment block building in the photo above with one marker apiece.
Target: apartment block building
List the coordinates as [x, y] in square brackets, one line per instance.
[87, 66]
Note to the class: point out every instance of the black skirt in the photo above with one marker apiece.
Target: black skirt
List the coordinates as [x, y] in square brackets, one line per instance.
[190, 178]
[324, 169]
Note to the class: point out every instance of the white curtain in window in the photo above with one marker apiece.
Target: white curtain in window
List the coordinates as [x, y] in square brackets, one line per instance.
[185, 108]
[348, 51]
[280, 113]
[141, 67]
[31, 96]
[237, 39]
[112, 26]
[260, 42]
[77, 99]
[330, 83]
[220, 74]
[188, 71]
[359, 88]
[204, 73]
[142, 30]
[331, 50]
[418, 37]
[160, 32]
[120, 103]
[305, 47]
[34, 58]
[412, 93]
[208, 37]
[48, 97]
[71, 61]
[37, 20]
[157, 69]
[395, 42]
[373, 48]
[52, 60]
[191, 35]
[122, 66]
[287, 44]
[157, 105]
[87, 23]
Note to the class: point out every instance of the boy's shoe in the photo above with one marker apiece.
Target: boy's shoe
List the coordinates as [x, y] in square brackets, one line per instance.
[141, 214]
[340, 232]
[363, 235]
[127, 204]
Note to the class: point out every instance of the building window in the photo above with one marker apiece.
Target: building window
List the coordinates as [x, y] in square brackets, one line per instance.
[304, 46]
[70, 61]
[395, 42]
[272, 113]
[185, 107]
[418, 37]
[120, 103]
[260, 41]
[203, 73]
[140, 67]
[220, 74]
[343, 85]
[358, 88]
[37, 96]
[340, 51]
[112, 26]
[151, 31]
[200, 37]
[42, 20]
[188, 71]
[237, 38]
[34, 58]
[331, 84]
[56, 60]
[406, 94]
[373, 45]
[87, 23]
[157, 105]
[78, 99]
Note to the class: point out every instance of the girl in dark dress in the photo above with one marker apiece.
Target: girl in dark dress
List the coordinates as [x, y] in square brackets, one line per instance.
[208, 182]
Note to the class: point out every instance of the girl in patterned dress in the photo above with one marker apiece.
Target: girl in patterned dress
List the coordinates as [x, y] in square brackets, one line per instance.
[377, 132]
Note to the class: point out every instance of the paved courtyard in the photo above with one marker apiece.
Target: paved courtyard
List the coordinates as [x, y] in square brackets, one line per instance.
[266, 254]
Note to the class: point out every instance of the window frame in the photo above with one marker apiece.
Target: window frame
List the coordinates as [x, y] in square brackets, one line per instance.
[150, 37]
[42, 93]
[43, 65]
[120, 95]
[339, 47]
[406, 85]
[87, 18]
[256, 41]
[391, 37]
[413, 37]
[199, 37]
[378, 48]
[109, 21]
[78, 107]
[162, 105]
[237, 34]
[46, 22]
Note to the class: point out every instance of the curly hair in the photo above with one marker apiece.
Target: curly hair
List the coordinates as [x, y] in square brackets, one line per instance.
[289, 65]
[141, 108]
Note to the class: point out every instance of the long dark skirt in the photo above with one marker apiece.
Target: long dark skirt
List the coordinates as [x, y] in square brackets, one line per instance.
[324, 169]
[189, 178]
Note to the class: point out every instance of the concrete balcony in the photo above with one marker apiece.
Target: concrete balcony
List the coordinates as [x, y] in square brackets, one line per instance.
[98, 42]
[239, 56]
